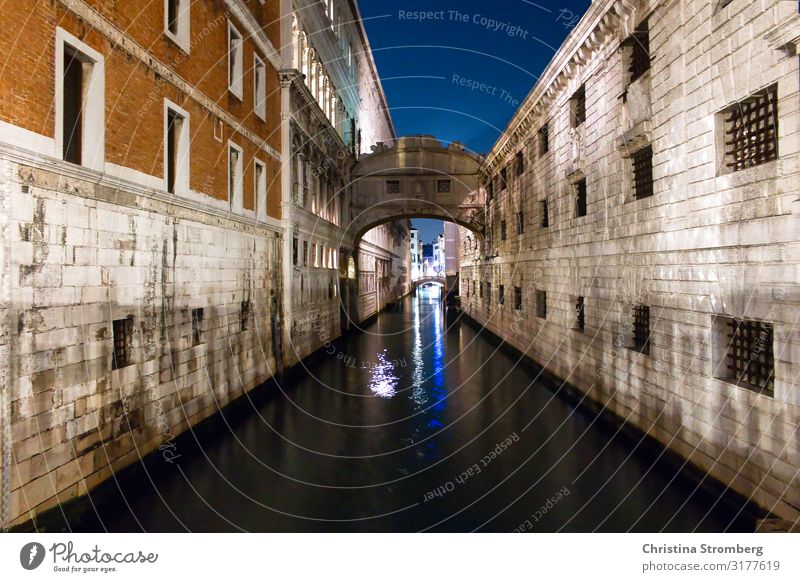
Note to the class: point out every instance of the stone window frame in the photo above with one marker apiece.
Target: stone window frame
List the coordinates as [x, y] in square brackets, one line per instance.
[122, 343]
[637, 43]
[444, 186]
[183, 155]
[197, 320]
[235, 180]
[541, 303]
[544, 208]
[501, 296]
[579, 312]
[578, 107]
[393, 186]
[182, 34]
[723, 155]
[503, 230]
[640, 336]
[543, 138]
[235, 51]
[577, 184]
[244, 315]
[518, 300]
[259, 87]
[260, 189]
[93, 106]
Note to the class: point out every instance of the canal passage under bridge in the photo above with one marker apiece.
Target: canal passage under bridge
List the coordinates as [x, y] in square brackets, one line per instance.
[411, 424]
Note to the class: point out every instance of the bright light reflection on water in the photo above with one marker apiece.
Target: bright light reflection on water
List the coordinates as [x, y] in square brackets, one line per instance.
[383, 381]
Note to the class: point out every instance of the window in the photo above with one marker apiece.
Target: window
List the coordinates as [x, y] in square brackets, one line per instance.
[723, 4]
[639, 45]
[80, 102]
[545, 214]
[518, 298]
[744, 353]
[235, 195]
[541, 304]
[489, 293]
[176, 22]
[643, 173]
[393, 186]
[443, 186]
[503, 179]
[581, 198]
[234, 61]
[501, 298]
[473, 288]
[259, 87]
[519, 164]
[305, 253]
[578, 107]
[295, 249]
[580, 313]
[123, 343]
[490, 190]
[503, 230]
[480, 290]
[641, 329]
[260, 188]
[244, 320]
[176, 149]
[198, 315]
[521, 222]
[751, 131]
[544, 139]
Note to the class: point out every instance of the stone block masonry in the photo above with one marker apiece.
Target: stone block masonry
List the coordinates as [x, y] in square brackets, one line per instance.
[86, 254]
[676, 229]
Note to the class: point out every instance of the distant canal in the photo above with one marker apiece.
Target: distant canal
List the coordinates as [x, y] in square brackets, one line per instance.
[410, 425]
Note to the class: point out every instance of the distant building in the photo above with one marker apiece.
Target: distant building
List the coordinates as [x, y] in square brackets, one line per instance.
[416, 255]
[439, 255]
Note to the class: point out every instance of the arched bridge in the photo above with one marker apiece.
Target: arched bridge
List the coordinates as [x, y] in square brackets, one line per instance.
[432, 280]
[418, 178]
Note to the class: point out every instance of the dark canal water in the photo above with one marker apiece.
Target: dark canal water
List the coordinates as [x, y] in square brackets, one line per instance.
[441, 432]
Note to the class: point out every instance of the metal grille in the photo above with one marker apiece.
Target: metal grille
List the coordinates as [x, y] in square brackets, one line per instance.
[544, 139]
[521, 222]
[545, 214]
[580, 313]
[123, 342]
[643, 173]
[750, 359]
[581, 198]
[640, 56]
[392, 186]
[641, 328]
[519, 164]
[517, 298]
[197, 326]
[503, 179]
[503, 230]
[489, 292]
[751, 130]
[579, 107]
[541, 304]
[502, 296]
[443, 186]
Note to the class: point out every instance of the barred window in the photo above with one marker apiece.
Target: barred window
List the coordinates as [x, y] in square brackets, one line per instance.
[521, 222]
[490, 189]
[748, 354]
[503, 179]
[503, 230]
[641, 329]
[518, 298]
[580, 313]
[751, 130]
[541, 304]
[393, 186]
[643, 173]
[544, 139]
[578, 107]
[545, 214]
[581, 198]
[198, 315]
[244, 322]
[123, 343]
[639, 43]
[443, 186]
[519, 163]
[489, 292]
[502, 295]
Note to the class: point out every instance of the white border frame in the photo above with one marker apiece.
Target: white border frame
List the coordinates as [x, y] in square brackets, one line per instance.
[94, 105]
[260, 112]
[183, 37]
[236, 206]
[183, 162]
[235, 86]
[260, 190]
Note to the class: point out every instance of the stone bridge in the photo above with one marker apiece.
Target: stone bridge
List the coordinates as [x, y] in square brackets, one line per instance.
[418, 178]
[432, 280]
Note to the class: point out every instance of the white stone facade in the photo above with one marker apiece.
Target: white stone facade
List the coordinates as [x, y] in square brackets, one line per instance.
[709, 242]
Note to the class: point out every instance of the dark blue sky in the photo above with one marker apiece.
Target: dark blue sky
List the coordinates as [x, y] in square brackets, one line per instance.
[423, 63]
[461, 73]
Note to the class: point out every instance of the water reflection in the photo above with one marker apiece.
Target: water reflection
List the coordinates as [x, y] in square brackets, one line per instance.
[383, 381]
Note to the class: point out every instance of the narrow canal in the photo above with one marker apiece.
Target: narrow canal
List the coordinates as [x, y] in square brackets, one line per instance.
[410, 425]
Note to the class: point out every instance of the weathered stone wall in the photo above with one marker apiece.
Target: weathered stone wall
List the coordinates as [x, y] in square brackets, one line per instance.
[708, 242]
[85, 253]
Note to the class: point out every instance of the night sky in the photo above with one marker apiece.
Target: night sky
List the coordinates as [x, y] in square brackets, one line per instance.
[428, 67]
